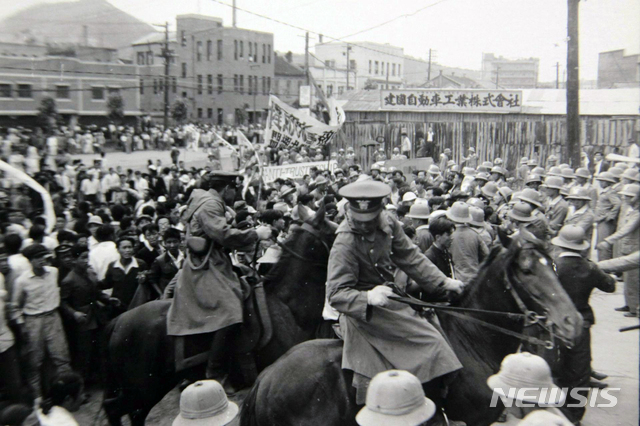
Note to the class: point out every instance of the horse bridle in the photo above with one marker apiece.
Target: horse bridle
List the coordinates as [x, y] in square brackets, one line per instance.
[311, 230]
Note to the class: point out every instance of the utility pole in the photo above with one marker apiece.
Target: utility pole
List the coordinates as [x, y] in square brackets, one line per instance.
[497, 75]
[429, 69]
[234, 21]
[166, 54]
[348, 62]
[387, 75]
[573, 86]
[306, 56]
[557, 75]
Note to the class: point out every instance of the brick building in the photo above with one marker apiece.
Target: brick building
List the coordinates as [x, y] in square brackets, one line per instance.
[288, 79]
[615, 69]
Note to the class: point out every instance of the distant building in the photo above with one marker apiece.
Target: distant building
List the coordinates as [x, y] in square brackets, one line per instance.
[85, 53]
[287, 79]
[416, 71]
[453, 81]
[225, 74]
[370, 65]
[617, 70]
[80, 88]
[510, 73]
[331, 79]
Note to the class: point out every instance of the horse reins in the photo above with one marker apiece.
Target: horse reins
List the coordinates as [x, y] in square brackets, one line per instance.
[311, 230]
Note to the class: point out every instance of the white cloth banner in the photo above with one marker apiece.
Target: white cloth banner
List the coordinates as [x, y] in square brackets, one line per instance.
[296, 171]
[289, 128]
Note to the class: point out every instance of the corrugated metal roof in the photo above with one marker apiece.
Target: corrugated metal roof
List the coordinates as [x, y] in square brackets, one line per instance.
[537, 101]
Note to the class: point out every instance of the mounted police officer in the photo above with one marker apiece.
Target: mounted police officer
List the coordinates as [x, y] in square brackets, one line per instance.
[208, 294]
[379, 333]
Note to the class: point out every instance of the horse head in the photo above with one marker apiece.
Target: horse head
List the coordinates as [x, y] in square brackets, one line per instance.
[534, 285]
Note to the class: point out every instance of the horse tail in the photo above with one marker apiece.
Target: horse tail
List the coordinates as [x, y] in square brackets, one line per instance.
[248, 416]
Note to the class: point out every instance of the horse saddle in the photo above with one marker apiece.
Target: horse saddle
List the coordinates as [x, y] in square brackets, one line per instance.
[255, 332]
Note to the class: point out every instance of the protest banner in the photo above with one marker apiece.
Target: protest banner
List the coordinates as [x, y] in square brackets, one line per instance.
[296, 171]
[468, 100]
[289, 128]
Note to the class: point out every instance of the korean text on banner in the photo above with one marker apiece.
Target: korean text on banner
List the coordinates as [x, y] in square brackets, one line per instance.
[296, 171]
[289, 128]
[491, 101]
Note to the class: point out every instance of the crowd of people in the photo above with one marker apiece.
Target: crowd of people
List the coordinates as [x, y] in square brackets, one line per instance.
[107, 240]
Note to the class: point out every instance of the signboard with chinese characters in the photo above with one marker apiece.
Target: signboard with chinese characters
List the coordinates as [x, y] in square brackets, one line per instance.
[475, 101]
[296, 171]
[286, 127]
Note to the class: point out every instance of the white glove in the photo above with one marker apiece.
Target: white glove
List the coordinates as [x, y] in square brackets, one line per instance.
[379, 295]
[453, 285]
[264, 232]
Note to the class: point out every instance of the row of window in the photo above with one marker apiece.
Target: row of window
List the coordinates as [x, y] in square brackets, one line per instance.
[25, 91]
[252, 81]
[254, 54]
[379, 68]
[158, 85]
[147, 58]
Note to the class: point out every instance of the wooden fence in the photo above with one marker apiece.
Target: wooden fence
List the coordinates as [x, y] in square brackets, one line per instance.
[509, 137]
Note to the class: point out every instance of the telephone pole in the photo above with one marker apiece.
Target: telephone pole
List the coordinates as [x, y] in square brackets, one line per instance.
[557, 75]
[497, 75]
[348, 62]
[573, 86]
[234, 21]
[166, 54]
[306, 56]
[429, 69]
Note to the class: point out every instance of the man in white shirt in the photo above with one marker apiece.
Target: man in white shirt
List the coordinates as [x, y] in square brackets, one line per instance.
[405, 144]
[90, 186]
[103, 253]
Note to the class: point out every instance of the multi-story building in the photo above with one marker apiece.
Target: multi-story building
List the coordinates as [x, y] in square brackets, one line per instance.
[510, 73]
[368, 65]
[617, 70]
[288, 79]
[80, 88]
[225, 74]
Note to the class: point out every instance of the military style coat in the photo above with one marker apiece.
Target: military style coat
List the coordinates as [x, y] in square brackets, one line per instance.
[391, 337]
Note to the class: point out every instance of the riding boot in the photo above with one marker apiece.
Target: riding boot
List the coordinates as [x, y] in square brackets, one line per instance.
[218, 360]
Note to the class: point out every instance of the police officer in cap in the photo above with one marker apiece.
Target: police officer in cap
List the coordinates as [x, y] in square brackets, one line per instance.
[380, 333]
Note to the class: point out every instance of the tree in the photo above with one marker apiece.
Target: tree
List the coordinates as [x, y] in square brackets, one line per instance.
[179, 111]
[47, 114]
[241, 114]
[370, 85]
[115, 107]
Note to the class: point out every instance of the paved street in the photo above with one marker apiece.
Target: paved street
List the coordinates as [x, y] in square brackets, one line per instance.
[137, 160]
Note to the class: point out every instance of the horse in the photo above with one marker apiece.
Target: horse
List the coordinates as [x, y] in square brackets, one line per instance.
[140, 367]
[308, 385]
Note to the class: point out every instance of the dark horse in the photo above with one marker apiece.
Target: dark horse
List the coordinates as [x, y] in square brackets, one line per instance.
[140, 356]
[307, 386]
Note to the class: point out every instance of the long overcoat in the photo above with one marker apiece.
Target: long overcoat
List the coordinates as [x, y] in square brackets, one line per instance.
[208, 295]
[391, 337]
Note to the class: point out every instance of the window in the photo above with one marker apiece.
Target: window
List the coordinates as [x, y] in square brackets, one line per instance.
[209, 50]
[250, 83]
[288, 89]
[114, 91]
[149, 58]
[219, 50]
[209, 112]
[97, 93]
[155, 86]
[183, 38]
[210, 85]
[241, 48]
[268, 53]
[353, 64]
[369, 67]
[220, 83]
[62, 92]
[199, 51]
[160, 85]
[399, 72]
[340, 90]
[199, 84]
[269, 84]
[220, 116]
[174, 83]
[241, 83]
[141, 58]
[264, 53]
[255, 52]
[235, 82]
[250, 52]
[184, 94]
[376, 68]
[184, 70]
[235, 49]
[393, 69]
[382, 68]
[329, 89]
[199, 112]
[142, 86]
[264, 85]
[5, 91]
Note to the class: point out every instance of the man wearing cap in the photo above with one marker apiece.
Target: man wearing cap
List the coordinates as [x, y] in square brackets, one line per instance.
[209, 299]
[583, 178]
[419, 215]
[36, 298]
[579, 277]
[581, 214]
[471, 160]
[405, 144]
[628, 238]
[467, 248]
[558, 207]
[606, 213]
[380, 333]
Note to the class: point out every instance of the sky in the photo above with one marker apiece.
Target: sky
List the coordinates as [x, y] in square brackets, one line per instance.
[458, 31]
